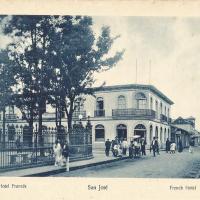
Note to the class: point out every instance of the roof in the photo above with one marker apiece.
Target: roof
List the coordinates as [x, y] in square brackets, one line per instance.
[136, 86]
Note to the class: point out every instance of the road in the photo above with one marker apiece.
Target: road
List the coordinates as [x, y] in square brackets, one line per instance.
[178, 165]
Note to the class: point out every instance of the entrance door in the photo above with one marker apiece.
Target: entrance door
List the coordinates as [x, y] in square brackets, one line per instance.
[121, 131]
[140, 130]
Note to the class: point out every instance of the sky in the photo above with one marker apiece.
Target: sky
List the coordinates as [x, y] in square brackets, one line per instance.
[166, 50]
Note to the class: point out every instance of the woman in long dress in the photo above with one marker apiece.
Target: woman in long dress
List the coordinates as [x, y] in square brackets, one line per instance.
[58, 153]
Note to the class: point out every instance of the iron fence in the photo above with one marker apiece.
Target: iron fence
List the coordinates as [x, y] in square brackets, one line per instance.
[23, 148]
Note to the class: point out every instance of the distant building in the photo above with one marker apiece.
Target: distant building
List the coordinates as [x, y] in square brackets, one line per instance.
[184, 129]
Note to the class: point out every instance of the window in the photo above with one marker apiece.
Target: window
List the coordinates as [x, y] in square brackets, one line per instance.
[141, 100]
[151, 103]
[99, 107]
[11, 110]
[160, 108]
[161, 135]
[121, 102]
[99, 133]
[100, 103]
[165, 111]
[151, 133]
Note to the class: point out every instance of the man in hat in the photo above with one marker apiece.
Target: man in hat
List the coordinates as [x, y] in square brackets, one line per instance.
[143, 149]
[107, 145]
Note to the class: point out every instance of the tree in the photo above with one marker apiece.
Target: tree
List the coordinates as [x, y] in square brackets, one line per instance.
[78, 55]
[29, 52]
[7, 82]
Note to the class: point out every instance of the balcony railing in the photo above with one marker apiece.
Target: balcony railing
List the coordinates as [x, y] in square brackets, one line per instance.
[76, 114]
[11, 117]
[99, 113]
[137, 113]
[163, 118]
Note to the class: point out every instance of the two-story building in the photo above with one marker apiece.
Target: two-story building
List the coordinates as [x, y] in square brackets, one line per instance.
[128, 110]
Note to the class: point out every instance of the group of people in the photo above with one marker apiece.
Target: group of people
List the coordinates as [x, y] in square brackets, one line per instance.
[61, 152]
[137, 147]
[120, 147]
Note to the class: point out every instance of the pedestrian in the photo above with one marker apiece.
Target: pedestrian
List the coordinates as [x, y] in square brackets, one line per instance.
[124, 146]
[107, 145]
[143, 148]
[131, 150]
[191, 147]
[167, 146]
[172, 147]
[57, 153]
[65, 153]
[180, 146]
[157, 146]
[154, 146]
[136, 148]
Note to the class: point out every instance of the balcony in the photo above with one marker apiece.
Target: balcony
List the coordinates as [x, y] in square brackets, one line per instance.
[11, 117]
[133, 113]
[99, 113]
[163, 118]
[77, 113]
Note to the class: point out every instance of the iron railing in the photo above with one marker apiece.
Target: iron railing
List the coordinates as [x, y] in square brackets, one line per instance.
[25, 149]
[137, 113]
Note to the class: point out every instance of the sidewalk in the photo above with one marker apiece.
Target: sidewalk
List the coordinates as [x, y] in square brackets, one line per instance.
[99, 158]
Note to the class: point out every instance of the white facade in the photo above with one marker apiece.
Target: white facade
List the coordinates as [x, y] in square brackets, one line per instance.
[127, 110]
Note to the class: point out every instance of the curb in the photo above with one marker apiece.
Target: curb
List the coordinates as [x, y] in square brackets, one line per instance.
[62, 170]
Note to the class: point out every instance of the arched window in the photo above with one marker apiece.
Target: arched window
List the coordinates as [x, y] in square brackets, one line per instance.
[121, 102]
[169, 134]
[156, 132]
[121, 131]
[151, 133]
[161, 135]
[99, 133]
[165, 135]
[140, 130]
[141, 100]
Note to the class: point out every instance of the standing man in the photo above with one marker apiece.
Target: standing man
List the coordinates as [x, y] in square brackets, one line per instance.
[124, 146]
[154, 146]
[191, 146]
[107, 145]
[143, 149]
[157, 147]
[167, 145]
[180, 146]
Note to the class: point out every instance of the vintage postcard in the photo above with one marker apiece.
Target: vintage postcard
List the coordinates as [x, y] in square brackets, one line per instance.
[99, 99]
